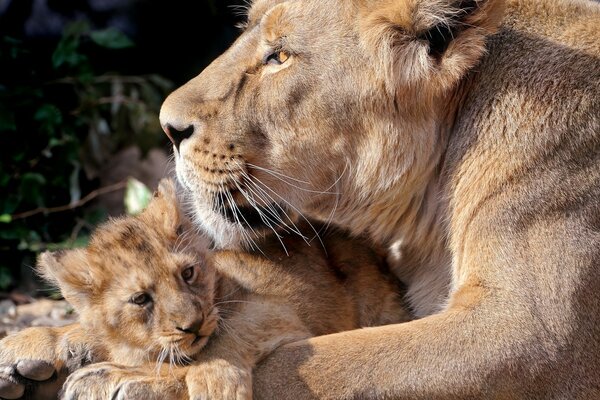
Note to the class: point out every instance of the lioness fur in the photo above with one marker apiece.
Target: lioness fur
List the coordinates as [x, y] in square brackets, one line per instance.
[463, 135]
[147, 291]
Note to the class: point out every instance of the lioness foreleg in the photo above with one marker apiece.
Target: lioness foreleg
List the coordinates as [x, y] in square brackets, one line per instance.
[464, 353]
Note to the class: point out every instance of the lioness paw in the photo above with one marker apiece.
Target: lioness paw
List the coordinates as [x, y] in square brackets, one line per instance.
[219, 381]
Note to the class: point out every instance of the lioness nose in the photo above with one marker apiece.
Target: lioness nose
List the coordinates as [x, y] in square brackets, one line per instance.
[192, 327]
[177, 136]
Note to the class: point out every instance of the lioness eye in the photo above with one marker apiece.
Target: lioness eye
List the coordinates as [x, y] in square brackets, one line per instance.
[188, 274]
[141, 299]
[277, 58]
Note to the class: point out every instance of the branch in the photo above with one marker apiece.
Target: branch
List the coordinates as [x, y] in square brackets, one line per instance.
[90, 196]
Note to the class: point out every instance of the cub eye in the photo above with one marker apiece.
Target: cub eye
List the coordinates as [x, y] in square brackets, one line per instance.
[141, 299]
[188, 274]
[276, 58]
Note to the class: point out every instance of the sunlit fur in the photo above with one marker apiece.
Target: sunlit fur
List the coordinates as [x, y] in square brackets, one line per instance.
[313, 135]
[133, 255]
[465, 136]
[240, 305]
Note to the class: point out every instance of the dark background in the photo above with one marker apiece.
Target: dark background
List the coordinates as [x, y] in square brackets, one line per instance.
[79, 116]
[174, 38]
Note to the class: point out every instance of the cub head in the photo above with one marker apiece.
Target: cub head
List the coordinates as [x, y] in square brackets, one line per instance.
[322, 107]
[144, 285]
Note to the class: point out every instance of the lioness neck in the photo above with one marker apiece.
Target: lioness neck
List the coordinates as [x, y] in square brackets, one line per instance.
[404, 209]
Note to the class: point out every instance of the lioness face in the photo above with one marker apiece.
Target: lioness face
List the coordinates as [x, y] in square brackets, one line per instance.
[268, 128]
[320, 107]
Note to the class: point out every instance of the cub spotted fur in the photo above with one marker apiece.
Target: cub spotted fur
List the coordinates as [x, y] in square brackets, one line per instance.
[147, 291]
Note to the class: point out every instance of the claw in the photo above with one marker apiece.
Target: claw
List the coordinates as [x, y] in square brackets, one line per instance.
[11, 390]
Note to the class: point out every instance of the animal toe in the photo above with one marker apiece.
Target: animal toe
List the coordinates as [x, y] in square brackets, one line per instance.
[37, 370]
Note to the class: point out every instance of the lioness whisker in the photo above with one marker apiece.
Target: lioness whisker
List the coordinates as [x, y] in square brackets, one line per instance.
[248, 239]
[298, 211]
[273, 215]
[269, 202]
[295, 229]
[181, 238]
[270, 171]
[235, 210]
[337, 201]
[265, 220]
[235, 301]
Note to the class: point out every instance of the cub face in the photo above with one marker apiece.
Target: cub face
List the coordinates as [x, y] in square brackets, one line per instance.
[144, 287]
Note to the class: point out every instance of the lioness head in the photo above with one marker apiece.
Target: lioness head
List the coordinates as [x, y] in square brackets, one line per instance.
[328, 108]
[144, 285]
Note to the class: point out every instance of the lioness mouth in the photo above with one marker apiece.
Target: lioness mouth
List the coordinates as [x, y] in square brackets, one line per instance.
[254, 216]
[197, 339]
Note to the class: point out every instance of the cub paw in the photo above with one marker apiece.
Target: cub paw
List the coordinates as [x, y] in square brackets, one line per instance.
[30, 366]
[111, 381]
[219, 381]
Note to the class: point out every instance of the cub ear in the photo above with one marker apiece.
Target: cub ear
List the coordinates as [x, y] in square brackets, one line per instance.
[70, 272]
[428, 44]
[163, 210]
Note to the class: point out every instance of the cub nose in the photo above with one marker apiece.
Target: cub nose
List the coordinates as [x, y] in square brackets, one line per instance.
[177, 136]
[192, 327]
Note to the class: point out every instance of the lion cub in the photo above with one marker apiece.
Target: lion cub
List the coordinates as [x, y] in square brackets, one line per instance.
[148, 291]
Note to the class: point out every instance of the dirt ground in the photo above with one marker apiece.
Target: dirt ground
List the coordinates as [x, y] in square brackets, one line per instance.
[19, 311]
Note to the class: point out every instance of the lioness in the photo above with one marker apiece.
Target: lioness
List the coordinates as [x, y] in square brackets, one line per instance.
[147, 291]
[463, 135]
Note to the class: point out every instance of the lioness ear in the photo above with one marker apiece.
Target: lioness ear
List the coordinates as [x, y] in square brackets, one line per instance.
[428, 44]
[70, 272]
[163, 210]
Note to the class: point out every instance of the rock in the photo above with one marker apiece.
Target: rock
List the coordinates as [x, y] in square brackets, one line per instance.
[7, 308]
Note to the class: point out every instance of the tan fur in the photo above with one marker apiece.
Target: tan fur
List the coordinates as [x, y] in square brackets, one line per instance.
[465, 136]
[244, 305]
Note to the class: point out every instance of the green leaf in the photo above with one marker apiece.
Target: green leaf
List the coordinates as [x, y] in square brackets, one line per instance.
[7, 120]
[4, 179]
[77, 28]
[31, 188]
[66, 53]
[5, 278]
[6, 218]
[9, 203]
[111, 38]
[50, 118]
[80, 241]
[137, 196]
[67, 49]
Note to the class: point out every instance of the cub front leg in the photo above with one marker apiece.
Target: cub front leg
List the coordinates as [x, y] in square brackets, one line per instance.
[35, 362]
[219, 380]
[112, 381]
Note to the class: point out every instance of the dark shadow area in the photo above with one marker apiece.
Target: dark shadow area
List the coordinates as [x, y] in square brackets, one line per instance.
[81, 87]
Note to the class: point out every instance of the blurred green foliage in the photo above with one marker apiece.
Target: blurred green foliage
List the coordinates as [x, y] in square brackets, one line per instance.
[60, 122]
